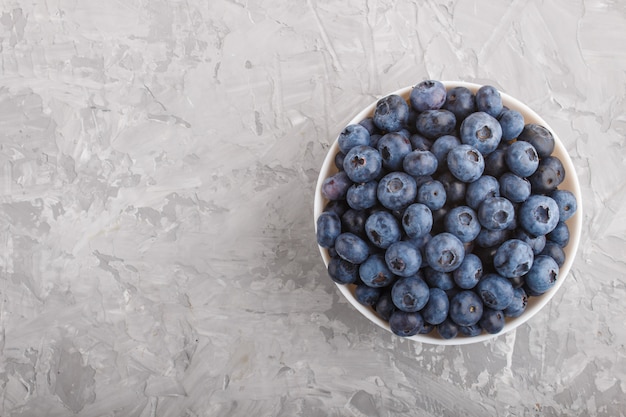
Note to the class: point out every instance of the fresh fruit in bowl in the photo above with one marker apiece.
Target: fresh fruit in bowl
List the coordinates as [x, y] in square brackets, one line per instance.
[448, 212]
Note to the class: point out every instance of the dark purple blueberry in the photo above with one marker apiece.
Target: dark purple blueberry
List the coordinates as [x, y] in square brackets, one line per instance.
[445, 252]
[382, 229]
[375, 272]
[405, 324]
[467, 275]
[438, 279]
[362, 164]
[488, 100]
[440, 148]
[336, 186]
[436, 309]
[435, 123]
[351, 136]
[393, 147]
[495, 291]
[540, 137]
[366, 295]
[515, 188]
[362, 196]
[566, 201]
[543, 274]
[492, 320]
[352, 248]
[518, 303]
[420, 163]
[396, 190]
[448, 329]
[560, 234]
[555, 251]
[513, 258]
[461, 102]
[419, 142]
[481, 189]
[391, 113]
[384, 306]
[481, 131]
[512, 123]
[495, 163]
[465, 163]
[328, 228]
[353, 221]
[466, 308]
[538, 215]
[410, 294]
[428, 95]
[342, 271]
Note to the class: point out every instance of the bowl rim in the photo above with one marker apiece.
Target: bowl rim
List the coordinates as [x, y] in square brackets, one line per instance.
[536, 303]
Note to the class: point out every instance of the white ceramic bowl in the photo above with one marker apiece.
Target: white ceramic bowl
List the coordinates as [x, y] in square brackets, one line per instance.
[534, 303]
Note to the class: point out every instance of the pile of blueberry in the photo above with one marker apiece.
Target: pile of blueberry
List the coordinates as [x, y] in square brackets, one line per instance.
[445, 212]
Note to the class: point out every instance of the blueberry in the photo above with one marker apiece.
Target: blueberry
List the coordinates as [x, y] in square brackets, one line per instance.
[420, 243]
[428, 95]
[555, 251]
[328, 228]
[481, 189]
[467, 275]
[419, 163]
[410, 294]
[351, 248]
[463, 223]
[339, 158]
[448, 329]
[538, 215]
[339, 207]
[513, 258]
[440, 148]
[420, 143]
[374, 140]
[391, 113]
[426, 328]
[405, 324]
[466, 308]
[362, 164]
[512, 123]
[351, 136]
[481, 131]
[393, 147]
[537, 243]
[368, 123]
[438, 279]
[522, 158]
[336, 186]
[382, 229]
[492, 320]
[488, 100]
[361, 196]
[560, 234]
[353, 221]
[366, 295]
[540, 137]
[455, 188]
[495, 291]
[518, 303]
[375, 273]
[466, 163]
[460, 101]
[384, 306]
[436, 309]
[471, 331]
[417, 220]
[566, 201]
[432, 194]
[396, 190]
[557, 165]
[495, 163]
[435, 123]
[543, 275]
[342, 271]
[515, 188]
[496, 213]
[444, 252]
[403, 259]
[491, 237]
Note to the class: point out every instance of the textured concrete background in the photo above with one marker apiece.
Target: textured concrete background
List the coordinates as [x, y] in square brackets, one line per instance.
[157, 166]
